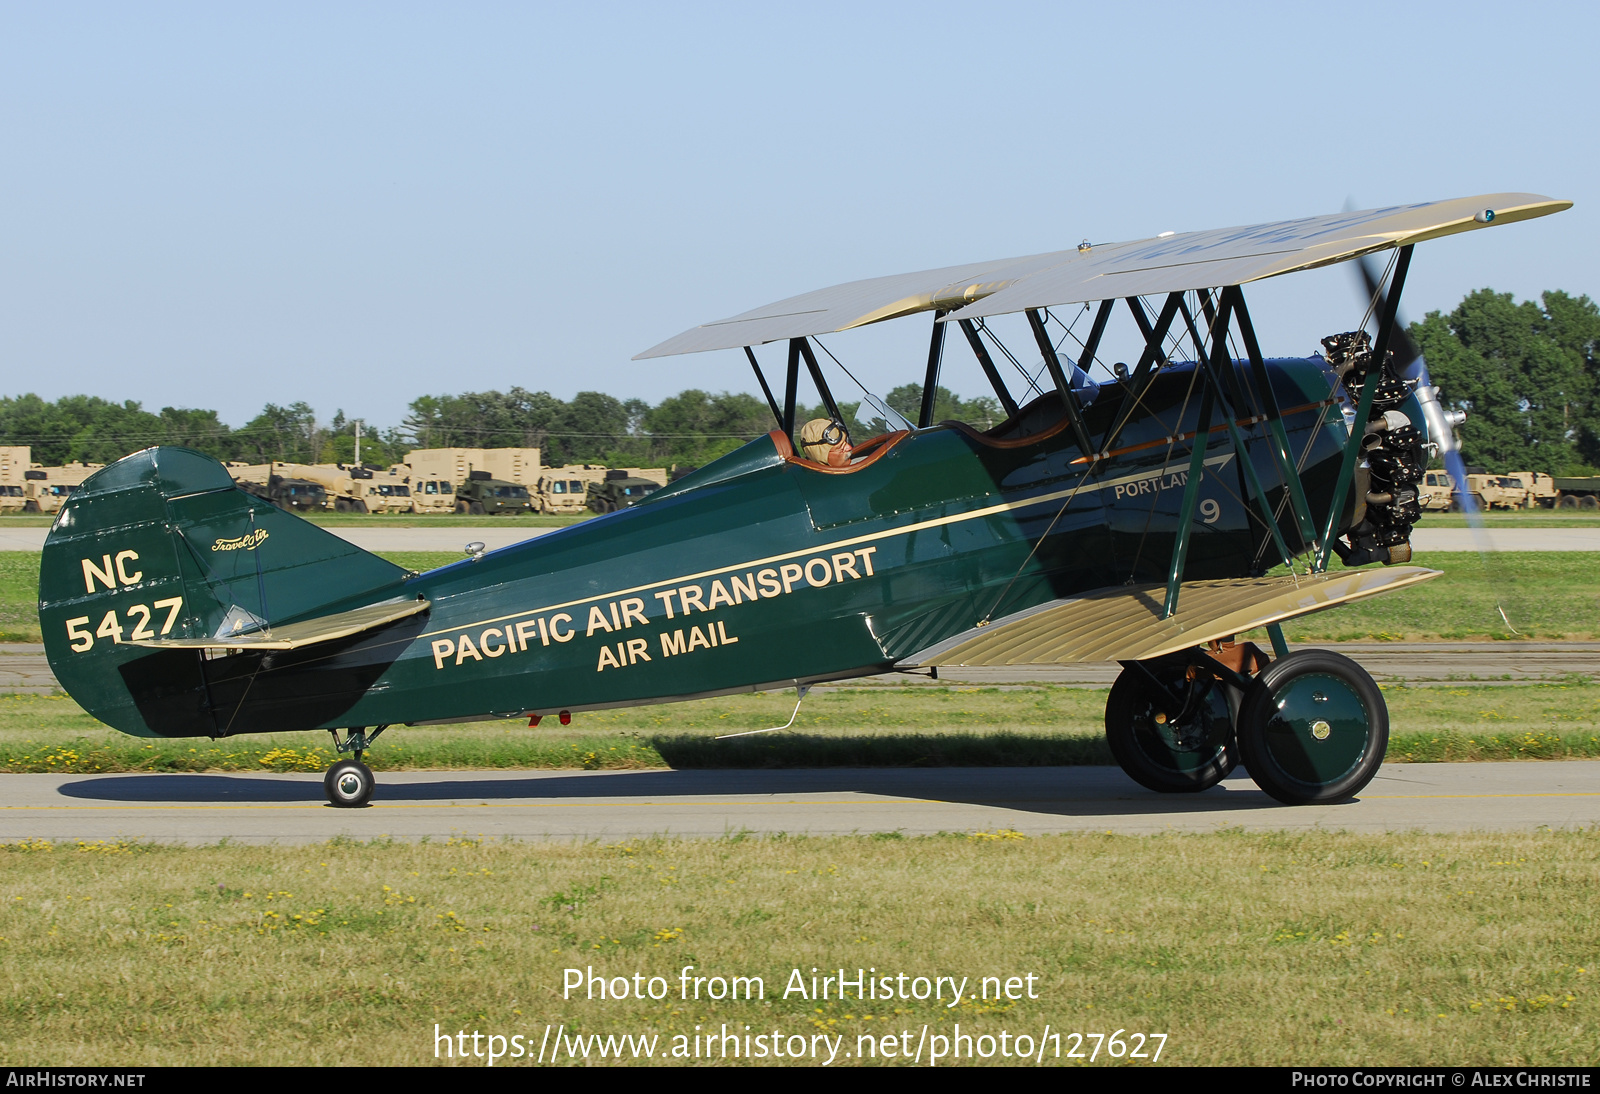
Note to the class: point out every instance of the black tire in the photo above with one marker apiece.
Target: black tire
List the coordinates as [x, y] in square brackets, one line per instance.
[1568, 501]
[359, 507]
[349, 784]
[461, 508]
[1589, 501]
[1190, 749]
[476, 509]
[1314, 728]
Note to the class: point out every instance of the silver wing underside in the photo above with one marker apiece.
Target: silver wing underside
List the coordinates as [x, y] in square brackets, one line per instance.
[1170, 263]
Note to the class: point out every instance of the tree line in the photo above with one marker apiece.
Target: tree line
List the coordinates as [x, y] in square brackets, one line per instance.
[691, 428]
[1528, 375]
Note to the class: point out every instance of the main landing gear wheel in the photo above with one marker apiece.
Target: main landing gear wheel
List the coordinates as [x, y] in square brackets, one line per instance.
[1314, 728]
[1172, 733]
[349, 784]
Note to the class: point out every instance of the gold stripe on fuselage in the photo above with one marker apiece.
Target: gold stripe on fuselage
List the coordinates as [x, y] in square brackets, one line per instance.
[938, 522]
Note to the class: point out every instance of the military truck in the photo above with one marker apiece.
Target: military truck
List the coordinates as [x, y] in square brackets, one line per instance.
[481, 495]
[387, 492]
[430, 495]
[1538, 489]
[518, 465]
[440, 478]
[1576, 492]
[1496, 492]
[1436, 491]
[46, 488]
[565, 490]
[620, 489]
[354, 488]
[286, 492]
[657, 475]
[14, 463]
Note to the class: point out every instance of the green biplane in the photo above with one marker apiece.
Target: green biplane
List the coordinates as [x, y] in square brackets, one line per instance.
[1132, 518]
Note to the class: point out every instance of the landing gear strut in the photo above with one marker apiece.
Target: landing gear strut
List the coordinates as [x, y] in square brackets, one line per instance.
[349, 783]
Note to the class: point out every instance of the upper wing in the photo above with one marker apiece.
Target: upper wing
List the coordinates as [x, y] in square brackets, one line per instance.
[1171, 263]
[1125, 624]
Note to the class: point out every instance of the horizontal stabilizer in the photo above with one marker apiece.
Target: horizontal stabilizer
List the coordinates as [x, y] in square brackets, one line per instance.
[293, 636]
[1125, 624]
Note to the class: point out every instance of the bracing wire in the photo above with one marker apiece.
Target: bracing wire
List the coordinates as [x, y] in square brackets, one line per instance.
[889, 413]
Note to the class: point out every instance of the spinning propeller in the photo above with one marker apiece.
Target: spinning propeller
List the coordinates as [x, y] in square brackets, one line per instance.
[1409, 364]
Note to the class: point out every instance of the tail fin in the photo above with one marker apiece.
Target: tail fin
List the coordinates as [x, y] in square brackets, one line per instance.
[163, 545]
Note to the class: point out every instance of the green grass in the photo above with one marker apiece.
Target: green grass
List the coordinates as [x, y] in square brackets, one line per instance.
[1274, 949]
[19, 596]
[854, 727]
[1545, 595]
[1517, 518]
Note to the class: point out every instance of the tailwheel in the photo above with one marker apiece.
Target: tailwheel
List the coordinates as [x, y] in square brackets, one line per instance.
[1314, 728]
[1169, 727]
[349, 784]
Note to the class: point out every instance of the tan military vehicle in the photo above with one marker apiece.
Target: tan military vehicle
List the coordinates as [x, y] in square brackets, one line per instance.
[518, 465]
[451, 465]
[429, 495]
[386, 491]
[657, 475]
[14, 463]
[353, 489]
[1518, 490]
[1497, 492]
[270, 482]
[439, 475]
[565, 490]
[1538, 489]
[48, 487]
[1436, 491]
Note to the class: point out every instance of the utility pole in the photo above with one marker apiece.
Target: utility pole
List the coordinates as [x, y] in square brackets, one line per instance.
[358, 442]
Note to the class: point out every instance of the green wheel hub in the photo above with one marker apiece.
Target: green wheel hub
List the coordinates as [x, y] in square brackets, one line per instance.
[1320, 729]
[1313, 728]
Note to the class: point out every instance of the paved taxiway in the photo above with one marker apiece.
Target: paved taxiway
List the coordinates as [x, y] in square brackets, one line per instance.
[202, 809]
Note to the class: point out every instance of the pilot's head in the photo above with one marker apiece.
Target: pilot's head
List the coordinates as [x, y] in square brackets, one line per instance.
[826, 442]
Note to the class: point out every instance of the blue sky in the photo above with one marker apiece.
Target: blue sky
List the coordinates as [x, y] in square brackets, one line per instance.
[225, 205]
